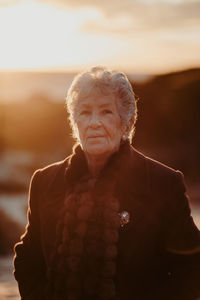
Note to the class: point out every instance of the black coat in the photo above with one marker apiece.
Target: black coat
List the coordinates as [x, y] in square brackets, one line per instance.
[159, 249]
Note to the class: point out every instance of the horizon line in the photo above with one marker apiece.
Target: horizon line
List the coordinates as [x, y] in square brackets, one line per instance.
[77, 70]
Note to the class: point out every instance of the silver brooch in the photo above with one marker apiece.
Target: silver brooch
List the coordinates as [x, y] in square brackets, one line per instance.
[124, 218]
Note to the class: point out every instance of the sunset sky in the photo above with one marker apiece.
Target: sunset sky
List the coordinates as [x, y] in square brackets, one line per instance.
[142, 36]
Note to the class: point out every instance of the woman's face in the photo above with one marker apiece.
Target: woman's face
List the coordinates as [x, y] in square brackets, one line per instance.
[99, 124]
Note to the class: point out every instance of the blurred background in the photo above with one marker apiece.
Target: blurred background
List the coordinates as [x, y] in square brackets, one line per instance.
[44, 43]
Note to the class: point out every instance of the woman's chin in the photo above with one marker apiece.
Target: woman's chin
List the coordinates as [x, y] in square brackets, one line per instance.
[97, 149]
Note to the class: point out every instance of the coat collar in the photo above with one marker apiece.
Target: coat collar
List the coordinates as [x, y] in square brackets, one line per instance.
[138, 173]
[134, 176]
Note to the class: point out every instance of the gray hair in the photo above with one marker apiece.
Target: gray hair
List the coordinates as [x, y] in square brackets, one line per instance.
[100, 80]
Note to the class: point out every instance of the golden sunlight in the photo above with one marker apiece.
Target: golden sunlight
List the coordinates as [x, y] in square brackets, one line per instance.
[35, 35]
[72, 35]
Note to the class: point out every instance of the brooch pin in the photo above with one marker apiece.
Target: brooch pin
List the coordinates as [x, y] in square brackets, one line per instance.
[124, 218]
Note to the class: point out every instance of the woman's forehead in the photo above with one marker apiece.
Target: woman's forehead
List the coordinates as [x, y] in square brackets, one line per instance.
[97, 100]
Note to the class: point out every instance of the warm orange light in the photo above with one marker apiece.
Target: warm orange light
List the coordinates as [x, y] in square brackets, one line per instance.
[37, 35]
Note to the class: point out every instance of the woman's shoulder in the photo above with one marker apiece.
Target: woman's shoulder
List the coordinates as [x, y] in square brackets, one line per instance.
[48, 173]
[53, 167]
[158, 172]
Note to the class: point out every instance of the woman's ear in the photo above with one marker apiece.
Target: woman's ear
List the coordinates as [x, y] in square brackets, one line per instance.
[128, 126]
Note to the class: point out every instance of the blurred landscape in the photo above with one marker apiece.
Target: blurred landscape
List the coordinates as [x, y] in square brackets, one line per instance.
[34, 132]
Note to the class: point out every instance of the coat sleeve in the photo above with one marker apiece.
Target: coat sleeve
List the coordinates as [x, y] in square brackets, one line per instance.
[29, 265]
[182, 242]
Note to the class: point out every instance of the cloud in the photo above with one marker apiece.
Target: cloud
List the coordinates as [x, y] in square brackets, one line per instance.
[8, 2]
[119, 17]
[144, 18]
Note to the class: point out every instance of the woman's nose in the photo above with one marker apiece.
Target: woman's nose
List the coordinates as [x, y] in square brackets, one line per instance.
[95, 120]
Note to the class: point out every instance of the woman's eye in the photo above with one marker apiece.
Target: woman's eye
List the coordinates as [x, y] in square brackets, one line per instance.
[107, 111]
[84, 112]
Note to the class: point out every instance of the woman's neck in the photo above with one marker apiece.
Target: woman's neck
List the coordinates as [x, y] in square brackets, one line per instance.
[96, 163]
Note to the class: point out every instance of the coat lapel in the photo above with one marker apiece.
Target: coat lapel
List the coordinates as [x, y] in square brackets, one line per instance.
[51, 206]
[133, 189]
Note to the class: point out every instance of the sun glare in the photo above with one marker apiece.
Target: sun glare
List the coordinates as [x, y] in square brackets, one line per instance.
[43, 35]
[35, 35]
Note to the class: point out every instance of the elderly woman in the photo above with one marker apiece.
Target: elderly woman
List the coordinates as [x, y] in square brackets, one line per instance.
[107, 223]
